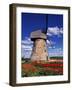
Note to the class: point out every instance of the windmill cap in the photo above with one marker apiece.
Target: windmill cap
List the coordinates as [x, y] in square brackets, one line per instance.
[38, 34]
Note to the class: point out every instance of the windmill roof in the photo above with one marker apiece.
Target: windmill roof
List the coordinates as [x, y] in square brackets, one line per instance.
[37, 34]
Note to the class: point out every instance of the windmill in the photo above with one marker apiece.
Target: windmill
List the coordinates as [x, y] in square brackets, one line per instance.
[39, 37]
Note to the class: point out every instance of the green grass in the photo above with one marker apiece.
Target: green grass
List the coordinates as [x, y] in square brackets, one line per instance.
[56, 57]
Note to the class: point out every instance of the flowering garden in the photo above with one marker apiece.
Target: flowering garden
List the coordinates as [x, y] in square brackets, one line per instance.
[41, 68]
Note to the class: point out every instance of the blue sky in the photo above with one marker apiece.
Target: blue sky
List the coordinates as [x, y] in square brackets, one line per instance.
[53, 23]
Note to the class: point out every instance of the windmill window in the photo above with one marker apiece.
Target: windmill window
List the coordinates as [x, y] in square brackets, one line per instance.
[45, 50]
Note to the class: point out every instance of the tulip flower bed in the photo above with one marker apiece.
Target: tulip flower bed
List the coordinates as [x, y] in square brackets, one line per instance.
[36, 68]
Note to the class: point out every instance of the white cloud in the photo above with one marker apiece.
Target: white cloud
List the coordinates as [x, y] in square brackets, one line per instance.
[26, 47]
[49, 34]
[25, 53]
[56, 52]
[50, 43]
[53, 46]
[54, 31]
[61, 30]
[50, 47]
[27, 41]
